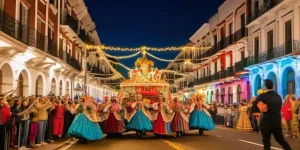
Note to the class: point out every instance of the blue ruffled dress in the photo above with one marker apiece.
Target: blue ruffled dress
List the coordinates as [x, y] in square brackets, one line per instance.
[139, 122]
[84, 128]
[200, 120]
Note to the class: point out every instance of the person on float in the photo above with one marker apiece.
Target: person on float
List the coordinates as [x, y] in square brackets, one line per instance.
[200, 118]
[180, 122]
[162, 118]
[140, 119]
[85, 124]
[103, 116]
[114, 123]
[244, 123]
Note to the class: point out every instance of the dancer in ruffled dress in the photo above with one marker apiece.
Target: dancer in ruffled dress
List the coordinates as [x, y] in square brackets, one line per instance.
[163, 117]
[180, 122]
[140, 119]
[244, 123]
[114, 124]
[102, 115]
[200, 117]
[85, 124]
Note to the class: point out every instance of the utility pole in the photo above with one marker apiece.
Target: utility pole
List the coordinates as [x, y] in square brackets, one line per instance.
[84, 70]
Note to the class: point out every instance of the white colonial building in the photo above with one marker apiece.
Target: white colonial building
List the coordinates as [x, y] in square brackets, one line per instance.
[273, 44]
[42, 48]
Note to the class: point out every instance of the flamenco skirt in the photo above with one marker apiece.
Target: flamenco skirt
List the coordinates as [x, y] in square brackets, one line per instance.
[178, 124]
[160, 126]
[244, 123]
[139, 122]
[113, 125]
[84, 128]
[200, 120]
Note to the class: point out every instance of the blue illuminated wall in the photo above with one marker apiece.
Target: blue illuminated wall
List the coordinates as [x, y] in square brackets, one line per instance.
[283, 73]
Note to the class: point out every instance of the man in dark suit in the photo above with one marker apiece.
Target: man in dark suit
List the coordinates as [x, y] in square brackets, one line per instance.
[271, 120]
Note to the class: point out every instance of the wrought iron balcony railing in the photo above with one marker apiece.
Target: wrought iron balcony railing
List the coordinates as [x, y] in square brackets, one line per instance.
[32, 37]
[267, 5]
[239, 34]
[230, 71]
[70, 21]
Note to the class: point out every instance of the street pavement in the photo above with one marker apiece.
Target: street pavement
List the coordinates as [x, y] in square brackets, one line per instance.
[219, 139]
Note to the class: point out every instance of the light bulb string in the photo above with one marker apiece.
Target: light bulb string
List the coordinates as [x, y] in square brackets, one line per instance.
[173, 48]
[161, 59]
[122, 57]
[117, 63]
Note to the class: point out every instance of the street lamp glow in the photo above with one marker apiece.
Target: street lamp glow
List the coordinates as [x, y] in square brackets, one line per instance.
[200, 91]
[186, 93]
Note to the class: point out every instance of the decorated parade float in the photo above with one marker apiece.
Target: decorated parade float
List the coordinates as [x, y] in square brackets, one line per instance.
[146, 80]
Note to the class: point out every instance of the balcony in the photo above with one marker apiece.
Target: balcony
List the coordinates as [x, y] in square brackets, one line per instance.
[229, 40]
[268, 4]
[16, 30]
[239, 34]
[239, 66]
[221, 44]
[222, 74]
[70, 21]
[52, 48]
[32, 37]
[266, 55]
[82, 35]
[230, 71]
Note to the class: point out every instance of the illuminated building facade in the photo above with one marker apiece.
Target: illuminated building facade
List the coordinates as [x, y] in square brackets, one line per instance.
[219, 71]
[273, 44]
[42, 45]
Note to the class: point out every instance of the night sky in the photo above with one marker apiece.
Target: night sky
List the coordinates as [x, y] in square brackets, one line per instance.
[153, 23]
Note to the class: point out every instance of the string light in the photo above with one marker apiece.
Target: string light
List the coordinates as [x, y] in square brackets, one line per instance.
[123, 57]
[161, 59]
[173, 48]
[120, 65]
[113, 69]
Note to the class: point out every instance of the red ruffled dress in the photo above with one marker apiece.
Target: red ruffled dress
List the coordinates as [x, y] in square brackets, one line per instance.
[160, 126]
[114, 122]
[180, 121]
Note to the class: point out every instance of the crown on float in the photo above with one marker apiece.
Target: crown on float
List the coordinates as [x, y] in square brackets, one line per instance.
[143, 61]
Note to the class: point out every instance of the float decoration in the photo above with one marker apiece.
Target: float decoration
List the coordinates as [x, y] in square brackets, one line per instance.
[146, 80]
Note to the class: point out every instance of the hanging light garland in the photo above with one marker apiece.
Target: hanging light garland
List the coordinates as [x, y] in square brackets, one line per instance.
[173, 48]
[161, 59]
[117, 63]
[123, 57]
[113, 69]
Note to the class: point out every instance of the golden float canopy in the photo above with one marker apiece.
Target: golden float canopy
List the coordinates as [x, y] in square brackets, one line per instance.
[146, 80]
